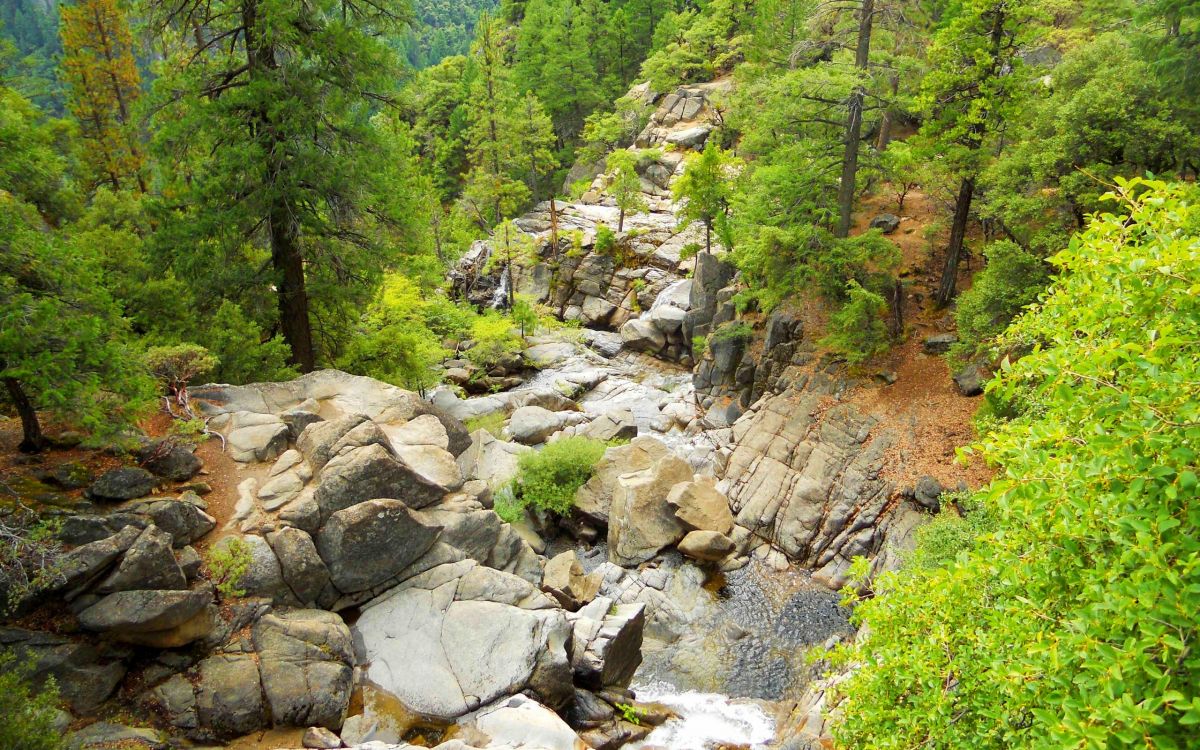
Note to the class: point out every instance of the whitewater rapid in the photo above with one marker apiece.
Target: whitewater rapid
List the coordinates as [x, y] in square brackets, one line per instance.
[704, 720]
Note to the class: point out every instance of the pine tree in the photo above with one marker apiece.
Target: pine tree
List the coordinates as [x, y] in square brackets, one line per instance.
[103, 85]
[264, 131]
[625, 188]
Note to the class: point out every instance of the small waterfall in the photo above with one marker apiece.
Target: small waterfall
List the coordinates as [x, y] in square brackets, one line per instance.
[666, 297]
[705, 720]
[500, 296]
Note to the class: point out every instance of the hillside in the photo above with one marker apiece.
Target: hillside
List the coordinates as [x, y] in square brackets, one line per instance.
[561, 374]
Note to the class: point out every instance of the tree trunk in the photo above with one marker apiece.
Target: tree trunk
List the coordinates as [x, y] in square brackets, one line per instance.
[897, 295]
[553, 227]
[708, 236]
[32, 440]
[621, 221]
[286, 257]
[958, 230]
[854, 122]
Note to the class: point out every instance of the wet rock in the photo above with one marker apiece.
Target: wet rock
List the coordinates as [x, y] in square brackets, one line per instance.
[886, 223]
[149, 563]
[708, 546]
[306, 661]
[641, 522]
[125, 483]
[369, 543]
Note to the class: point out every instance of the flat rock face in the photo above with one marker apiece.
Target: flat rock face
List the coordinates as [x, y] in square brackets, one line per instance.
[459, 636]
[809, 480]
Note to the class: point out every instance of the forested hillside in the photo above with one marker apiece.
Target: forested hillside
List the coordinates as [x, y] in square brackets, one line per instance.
[997, 197]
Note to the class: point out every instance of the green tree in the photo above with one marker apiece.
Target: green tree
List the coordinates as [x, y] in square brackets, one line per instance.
[625, 187]
[706, 185]
[857, 330]
[1071, 625]
[29, 712]
[268, 152]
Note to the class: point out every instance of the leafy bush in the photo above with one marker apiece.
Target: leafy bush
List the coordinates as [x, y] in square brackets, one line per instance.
[29, 714]
[948, 534]
[494, 339]
[178, 365]
[606, 239]
[1011, 280]
[733, 330]
[547, 479]
[1073, 625]
[857, 331]
[699, 346]
[227, 563]
[243, 355]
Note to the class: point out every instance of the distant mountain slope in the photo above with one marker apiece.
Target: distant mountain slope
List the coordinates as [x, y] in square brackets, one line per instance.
[442, 28]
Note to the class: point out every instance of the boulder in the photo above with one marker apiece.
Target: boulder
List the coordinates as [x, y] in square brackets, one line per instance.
[668, 318]
[184, 520]
[607, 646]
[260, 440]
[707, 546]
[615, 425]
[641, 522]
[228, 697]
[564, 579]
[699, 505]
[264, 576]
[86, 674]
[83, 565]
[149, 563]
[306, 659]
[939, 344]
[170, 460]
[300, 564]
[369, 543]
[320, 738]
[371, 472]
[531, 425]
[885, 222]
[640, 334]
[928, 493]
[432, 463]
[970, 379]
[593, 500]
[692, 138]
[423, 430]
[454, 638]
[519, 722]
[125, 483]
[144, 611]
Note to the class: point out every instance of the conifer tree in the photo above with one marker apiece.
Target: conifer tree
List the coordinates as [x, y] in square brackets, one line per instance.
[103, 85]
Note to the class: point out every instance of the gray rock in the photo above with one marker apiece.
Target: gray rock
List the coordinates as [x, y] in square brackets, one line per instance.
[144, 611]
[708, 546]
[970, 380]
[533, 424]
[640, 334]
[170, 460]
[149, 563]
[940, 343]
[692, 138]
[887, 223]
[303, 570]
[189, 562]
[302, 512]
[86, 674]
[593, 500]
[607, 646]
[125, 483]
[102, 735]
[565, 580]
[928, 493]
[369, 543]
[306, 660]
[258, 442]
[320, 738]
[264, 576]
[490, 459]
[371, 472]
[615, 425]
[83, 565]
[297, 420]
[183, 520]
[317, 440]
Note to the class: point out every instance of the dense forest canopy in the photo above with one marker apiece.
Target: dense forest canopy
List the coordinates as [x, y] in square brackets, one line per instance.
[284, 185]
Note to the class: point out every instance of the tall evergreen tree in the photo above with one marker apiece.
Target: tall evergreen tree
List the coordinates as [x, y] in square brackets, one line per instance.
[264, 127]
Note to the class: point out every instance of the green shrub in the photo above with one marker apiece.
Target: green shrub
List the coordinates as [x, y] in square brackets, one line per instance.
[940, 541]
[857, 331]
[494, 339]
[178, 365]
[699, 346]
[606, 239]
[227, 563]
[28, 714]
[244, 355]
[506, 504]
[732, 330]
[1012, 279]
[547, 479]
